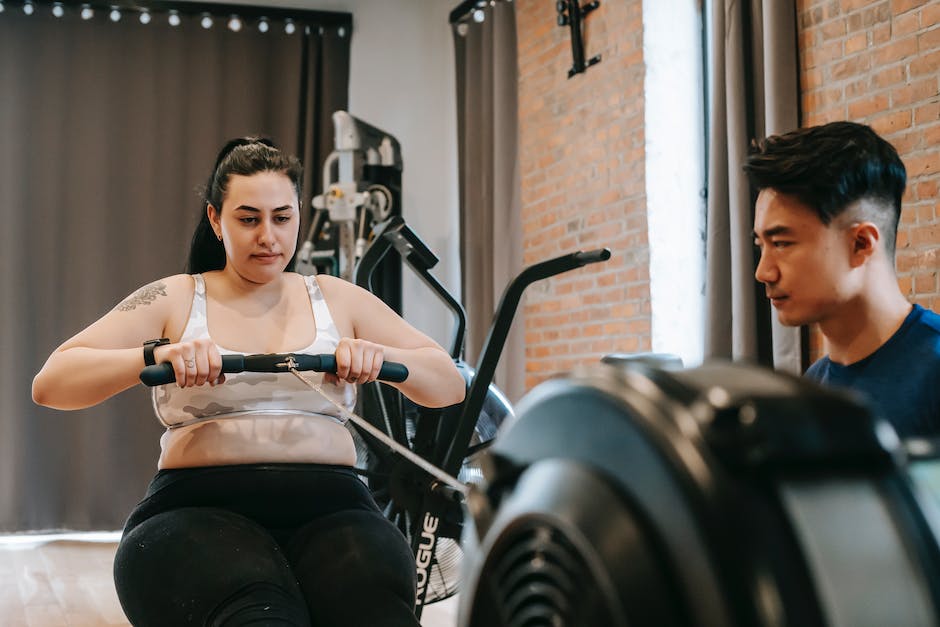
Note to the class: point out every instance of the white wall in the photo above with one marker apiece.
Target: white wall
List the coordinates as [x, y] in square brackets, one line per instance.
[675, 176]
[401, 80]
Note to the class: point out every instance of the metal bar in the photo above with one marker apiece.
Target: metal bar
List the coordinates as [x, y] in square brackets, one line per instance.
[493, 345]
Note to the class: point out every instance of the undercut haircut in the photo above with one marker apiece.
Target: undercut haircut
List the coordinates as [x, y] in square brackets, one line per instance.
[830, 167]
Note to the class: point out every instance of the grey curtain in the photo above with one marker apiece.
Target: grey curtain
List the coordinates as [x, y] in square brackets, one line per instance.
[753, 92]
[106, 132]
[490, 209]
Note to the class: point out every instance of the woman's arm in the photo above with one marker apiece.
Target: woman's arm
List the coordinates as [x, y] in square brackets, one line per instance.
[376, 334]
[107, 356]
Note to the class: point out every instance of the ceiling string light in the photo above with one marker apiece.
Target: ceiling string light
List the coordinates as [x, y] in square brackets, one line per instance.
[145, 15]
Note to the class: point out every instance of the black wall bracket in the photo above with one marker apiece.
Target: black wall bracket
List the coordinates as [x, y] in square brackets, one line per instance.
[570, 14]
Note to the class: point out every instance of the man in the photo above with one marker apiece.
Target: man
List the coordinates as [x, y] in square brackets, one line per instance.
[826, 222]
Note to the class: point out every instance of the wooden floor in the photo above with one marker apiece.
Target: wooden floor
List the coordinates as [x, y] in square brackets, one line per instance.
[67, 583]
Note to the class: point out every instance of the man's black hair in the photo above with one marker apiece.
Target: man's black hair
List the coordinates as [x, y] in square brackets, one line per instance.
[829, 167]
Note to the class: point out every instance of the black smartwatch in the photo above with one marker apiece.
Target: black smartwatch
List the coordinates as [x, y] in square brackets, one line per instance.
[149, 345]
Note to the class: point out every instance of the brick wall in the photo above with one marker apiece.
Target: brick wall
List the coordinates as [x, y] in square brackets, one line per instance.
[581, 155]
[582, 170]
[878, 62]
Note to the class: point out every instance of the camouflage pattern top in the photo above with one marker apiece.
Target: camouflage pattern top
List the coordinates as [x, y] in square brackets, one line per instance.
[249, 396]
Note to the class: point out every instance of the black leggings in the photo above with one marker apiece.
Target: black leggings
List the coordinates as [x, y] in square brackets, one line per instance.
[272, 544]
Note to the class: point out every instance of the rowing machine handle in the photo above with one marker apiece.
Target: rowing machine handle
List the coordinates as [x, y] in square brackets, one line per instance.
[161, 374]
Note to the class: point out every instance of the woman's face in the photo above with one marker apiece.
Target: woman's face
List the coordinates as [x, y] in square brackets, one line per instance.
[259, 222]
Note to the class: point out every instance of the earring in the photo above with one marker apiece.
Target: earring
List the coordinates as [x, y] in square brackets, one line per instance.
[219, 235]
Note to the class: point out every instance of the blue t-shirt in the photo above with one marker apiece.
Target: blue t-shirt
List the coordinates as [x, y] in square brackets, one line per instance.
[901, 379]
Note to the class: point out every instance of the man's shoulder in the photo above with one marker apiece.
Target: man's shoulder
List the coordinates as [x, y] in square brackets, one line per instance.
[922, 343]
[930, 319]
[817, 371]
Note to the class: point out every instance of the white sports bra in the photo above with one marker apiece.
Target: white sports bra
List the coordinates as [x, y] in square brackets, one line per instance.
[249, 396]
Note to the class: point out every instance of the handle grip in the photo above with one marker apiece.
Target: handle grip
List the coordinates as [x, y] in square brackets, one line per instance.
[391, 371]
[592, 256]
[161, 374]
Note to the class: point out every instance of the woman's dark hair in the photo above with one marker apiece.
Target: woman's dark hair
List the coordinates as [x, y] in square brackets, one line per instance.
[244, 156]
[829, 167]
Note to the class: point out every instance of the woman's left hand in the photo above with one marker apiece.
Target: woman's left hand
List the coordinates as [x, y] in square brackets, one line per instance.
[357, 361]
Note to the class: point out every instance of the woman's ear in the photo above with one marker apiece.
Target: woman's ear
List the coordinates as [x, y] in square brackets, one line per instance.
[865, 240]
[214, 220]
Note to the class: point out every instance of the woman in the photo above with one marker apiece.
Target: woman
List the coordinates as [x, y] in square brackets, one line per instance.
[255, 515]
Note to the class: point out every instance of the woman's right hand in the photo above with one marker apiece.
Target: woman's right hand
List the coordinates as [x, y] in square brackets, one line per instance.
[195, 363]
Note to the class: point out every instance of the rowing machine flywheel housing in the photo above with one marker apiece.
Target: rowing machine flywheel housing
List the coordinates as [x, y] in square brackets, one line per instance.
[719, 495]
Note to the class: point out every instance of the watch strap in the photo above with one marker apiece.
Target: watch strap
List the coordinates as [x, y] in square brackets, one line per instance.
[149, 346]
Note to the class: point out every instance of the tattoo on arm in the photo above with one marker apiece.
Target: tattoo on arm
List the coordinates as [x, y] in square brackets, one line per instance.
[144, 296]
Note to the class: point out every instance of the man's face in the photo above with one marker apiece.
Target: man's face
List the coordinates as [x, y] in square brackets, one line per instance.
[804, 264]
